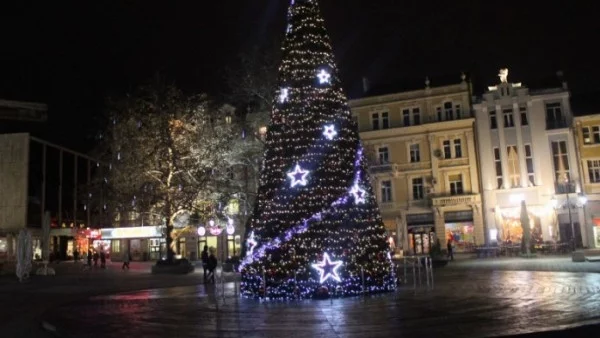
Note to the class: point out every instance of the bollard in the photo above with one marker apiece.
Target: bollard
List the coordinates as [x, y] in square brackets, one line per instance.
[427, 261]
[414, 276]
[405, 267]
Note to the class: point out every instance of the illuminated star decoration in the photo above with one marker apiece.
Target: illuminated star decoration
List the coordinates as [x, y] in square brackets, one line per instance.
[359, 193]
[283, 95]
[328, 269]
[251, 243]
[324, 76]
[298, 176]
[330, 132]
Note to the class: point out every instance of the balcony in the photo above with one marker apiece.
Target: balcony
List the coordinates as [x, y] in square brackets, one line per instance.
[447, 201]
[383, 168]
[395, 168]
[556, 123]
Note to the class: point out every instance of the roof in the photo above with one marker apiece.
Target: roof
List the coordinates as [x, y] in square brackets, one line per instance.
[405, 85]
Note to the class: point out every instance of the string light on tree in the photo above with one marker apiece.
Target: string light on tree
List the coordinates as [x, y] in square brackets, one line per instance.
[328, 269]
[324, 77]
[298, 176]
[330, 131]
[251, 244]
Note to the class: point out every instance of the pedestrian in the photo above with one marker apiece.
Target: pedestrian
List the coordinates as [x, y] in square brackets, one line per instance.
[89, 258]
[204, 258]
[102, 259]
[96, 257]
[126, 259]
[76, 255]
[212, 265]
[450, 251]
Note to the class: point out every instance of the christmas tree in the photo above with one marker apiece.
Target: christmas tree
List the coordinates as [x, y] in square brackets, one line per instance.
[316, 229]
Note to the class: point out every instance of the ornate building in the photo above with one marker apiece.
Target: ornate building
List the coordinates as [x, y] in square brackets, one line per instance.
[527, 152]
[424, 165]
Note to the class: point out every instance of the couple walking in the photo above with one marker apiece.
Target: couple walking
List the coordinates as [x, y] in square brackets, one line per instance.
[209, 263]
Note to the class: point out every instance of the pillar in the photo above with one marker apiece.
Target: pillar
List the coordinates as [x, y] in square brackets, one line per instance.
[440, 226]
[478, 229]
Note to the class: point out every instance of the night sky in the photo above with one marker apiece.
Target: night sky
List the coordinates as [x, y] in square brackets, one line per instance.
[73, 54]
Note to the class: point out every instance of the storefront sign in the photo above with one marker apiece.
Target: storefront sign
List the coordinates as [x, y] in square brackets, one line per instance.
[132, 232]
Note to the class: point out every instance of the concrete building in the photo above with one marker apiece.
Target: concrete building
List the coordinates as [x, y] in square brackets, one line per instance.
[528, 153]
[421, 145]
[587, 138]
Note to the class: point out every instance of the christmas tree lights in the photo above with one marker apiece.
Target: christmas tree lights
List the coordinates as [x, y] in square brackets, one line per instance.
[316, 230]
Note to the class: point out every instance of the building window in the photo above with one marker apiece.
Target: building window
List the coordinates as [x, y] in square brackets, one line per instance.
[594, 171]
[385, 121]
[561, 162]
[529, 163]
[458, 111]
[406, 117]
[386, 191]
[418, 193]
[523, 113]
[416, 116]
[554, 111]
[448, 112]
[457, 148]
[456, 185]
[514, 169]
[415, 153]
[375, 121]
[498, 164]
[508, 118]
[447, 150]
[383, 155]
[596, 134]
[585, 131]
[493, 123]
[438, 111]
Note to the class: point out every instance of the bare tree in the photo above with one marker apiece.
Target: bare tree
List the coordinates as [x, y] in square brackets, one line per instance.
[167, 153]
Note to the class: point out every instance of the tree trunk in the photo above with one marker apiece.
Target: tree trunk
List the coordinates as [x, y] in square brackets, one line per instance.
[170, 252]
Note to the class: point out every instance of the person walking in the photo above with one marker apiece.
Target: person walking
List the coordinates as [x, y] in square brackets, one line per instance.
[212, 265]
[126, 259]
[89, 258]
[204, 258]
[102, 260]
[450, 249]
[96, 257]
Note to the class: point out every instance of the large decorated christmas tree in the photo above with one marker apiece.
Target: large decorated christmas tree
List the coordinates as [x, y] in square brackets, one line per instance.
[316, 229]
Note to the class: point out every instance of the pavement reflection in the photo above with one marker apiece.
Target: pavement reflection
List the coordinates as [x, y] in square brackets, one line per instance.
[463, 304]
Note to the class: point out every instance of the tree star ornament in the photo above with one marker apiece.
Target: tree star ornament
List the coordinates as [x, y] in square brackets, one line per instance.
[324, 77]
[298, 176]
[328, 269]
[330, 132]
[359, 193]
[283, 95]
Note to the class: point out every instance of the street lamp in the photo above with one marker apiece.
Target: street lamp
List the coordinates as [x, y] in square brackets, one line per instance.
[581, 201]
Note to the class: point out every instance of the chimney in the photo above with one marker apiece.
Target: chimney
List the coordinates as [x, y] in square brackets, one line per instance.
[365, 83]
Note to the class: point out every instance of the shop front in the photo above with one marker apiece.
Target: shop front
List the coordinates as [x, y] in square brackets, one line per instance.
[596, 232]
[142, 243]
[460, 230]
[510, 227]
[421, 233]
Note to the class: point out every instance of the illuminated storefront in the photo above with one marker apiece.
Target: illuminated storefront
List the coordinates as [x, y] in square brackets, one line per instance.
[596, 232]
[510, 230]
[421, 233]
[460, 230]
[142, 243]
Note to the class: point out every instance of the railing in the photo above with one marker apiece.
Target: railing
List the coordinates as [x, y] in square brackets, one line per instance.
[455, 200]
[383, 168]
[394, 168]
[556, 123]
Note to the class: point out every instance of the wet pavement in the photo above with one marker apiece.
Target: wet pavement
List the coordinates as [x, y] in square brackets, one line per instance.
[464, 303]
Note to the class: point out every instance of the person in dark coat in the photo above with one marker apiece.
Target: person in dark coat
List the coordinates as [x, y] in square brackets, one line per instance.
[204, 258]
[89, 258]
[102, 260]
[212, 265]
[450, 251]
[96, 257]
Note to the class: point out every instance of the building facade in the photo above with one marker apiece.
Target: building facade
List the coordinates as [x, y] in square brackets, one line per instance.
[587, 138]
[528, 153]
[423, 163]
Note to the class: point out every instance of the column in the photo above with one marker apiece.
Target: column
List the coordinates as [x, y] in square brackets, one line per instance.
[520, 146]
[502, 146]
[440, 226]
[470, 144]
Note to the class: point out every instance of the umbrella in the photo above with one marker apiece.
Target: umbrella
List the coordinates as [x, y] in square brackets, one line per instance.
[526, 229]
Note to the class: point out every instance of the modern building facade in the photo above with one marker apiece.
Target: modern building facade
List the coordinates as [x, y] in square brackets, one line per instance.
[587, 138]
[528, 153]
[423, 163]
